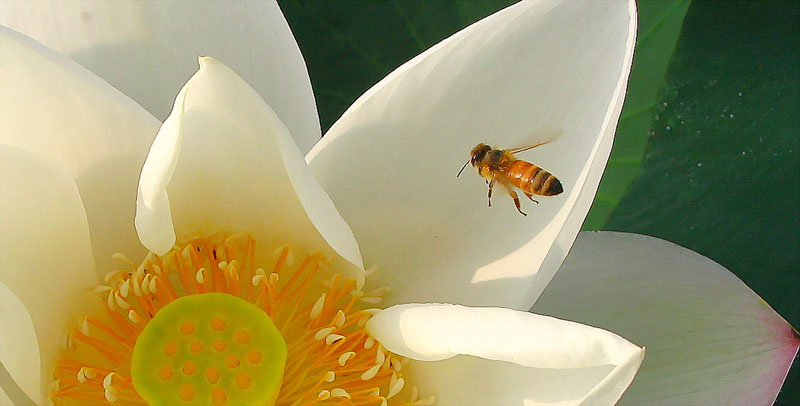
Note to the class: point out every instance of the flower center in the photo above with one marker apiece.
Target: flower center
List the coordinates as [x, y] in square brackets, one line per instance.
[206, 324]
[214, 348]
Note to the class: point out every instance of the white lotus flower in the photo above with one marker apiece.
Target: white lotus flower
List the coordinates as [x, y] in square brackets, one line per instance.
[224, 161]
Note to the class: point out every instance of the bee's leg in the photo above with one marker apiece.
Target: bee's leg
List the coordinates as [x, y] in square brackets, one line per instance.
[514, 196]
[530, 196]
[491, 185]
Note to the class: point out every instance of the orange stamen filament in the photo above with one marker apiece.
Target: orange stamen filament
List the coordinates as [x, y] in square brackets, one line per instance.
[331, 358]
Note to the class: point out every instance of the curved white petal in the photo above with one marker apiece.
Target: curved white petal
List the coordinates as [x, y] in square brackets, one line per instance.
[709, 338]
[537, 70]
[45, 265]
[53, 107]
[223, 160]
[147, 49]
[19, 352]
[581, 364]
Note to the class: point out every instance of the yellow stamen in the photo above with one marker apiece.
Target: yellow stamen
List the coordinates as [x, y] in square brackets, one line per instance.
[330, 358]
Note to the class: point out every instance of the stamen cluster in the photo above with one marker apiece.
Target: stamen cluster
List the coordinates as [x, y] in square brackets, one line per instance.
[331, 358]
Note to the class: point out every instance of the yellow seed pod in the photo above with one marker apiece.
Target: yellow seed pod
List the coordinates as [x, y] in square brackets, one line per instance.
[184, 338]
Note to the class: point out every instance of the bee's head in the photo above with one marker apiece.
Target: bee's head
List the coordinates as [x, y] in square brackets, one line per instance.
[476, 156]
[478, 153]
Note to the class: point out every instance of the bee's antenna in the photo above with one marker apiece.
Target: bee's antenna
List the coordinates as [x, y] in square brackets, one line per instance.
[462, 168]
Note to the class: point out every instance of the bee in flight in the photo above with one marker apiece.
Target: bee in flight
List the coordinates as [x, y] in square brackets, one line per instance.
[501, 166]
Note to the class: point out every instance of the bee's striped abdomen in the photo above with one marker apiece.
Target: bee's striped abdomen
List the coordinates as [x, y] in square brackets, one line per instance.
[533, 179]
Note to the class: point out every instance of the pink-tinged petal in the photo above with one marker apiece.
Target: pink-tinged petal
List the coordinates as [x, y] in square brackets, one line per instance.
[496, 356]
[223, 160]
[709, 338]
[147, 49]
[538, 70]
[53, 107]
[46, 268]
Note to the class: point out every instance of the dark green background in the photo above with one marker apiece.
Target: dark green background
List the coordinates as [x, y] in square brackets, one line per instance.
[707, 148]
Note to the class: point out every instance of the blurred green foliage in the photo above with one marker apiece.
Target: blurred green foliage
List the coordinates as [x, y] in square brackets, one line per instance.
[721, 174]
[659, 27]
[706, 154]
[351, 45]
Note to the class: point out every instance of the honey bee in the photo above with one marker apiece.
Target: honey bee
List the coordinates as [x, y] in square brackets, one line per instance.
[501, 166]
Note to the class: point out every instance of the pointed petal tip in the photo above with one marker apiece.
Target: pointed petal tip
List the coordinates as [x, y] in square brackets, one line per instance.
[743, 351]
[794, 342]
[782, 361]
[492, 57]
[206, 59]
[221, 129]
[641, 353]
[794, 346]
[790, 344]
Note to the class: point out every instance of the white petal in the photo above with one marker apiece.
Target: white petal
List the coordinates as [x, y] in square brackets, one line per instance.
[53, 107]
[533, 71]
[224, 161]
[46, 265]
[147, 49]
[709, 338]
[5, 399]
[20, 351]
[601, 364]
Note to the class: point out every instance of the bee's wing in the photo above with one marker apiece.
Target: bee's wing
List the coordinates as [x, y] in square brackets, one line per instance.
[525, 148]
[546, 134]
